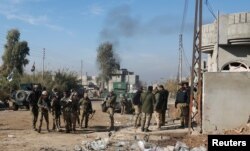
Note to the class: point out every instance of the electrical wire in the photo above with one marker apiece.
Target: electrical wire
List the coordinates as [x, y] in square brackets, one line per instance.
[209, 7]
[184, 16]
[185, 9]
[188, 66]
[186, 59]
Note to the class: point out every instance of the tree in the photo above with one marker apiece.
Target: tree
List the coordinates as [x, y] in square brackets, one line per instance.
[15, 53]
[61, 79]
[172, 86]
[66, 80]
[107, 61]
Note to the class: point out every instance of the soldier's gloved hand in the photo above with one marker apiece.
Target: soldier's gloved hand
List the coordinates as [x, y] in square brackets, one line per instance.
[175, 104]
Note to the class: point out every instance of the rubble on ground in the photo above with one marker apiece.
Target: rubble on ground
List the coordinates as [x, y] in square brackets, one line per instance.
[49, 149]
[244, 129]
[103, 144]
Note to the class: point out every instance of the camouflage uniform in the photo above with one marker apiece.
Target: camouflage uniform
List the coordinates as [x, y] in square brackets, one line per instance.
[56, 112]
[164, 94]
[66, 103]
[86, 110]
[45, 107]
[157, 108]
[137, 106]
[75, 110]
[33, 100]
[182, 105]
[110, 103]
[123, 104]
[63, 101]
[147, 108]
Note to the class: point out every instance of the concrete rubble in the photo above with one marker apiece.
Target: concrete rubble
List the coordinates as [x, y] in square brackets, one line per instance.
[97, 145]
[244, 129]
[102, 144]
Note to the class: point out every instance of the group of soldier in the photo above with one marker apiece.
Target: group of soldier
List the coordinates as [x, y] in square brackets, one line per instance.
[145, 103]
[149, 102]
[155, 102]
[69, 105]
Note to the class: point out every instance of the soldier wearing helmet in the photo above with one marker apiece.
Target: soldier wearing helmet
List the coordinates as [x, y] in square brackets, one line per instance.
[45, 108]
[86, 109]
[110, 103]
[75, 110]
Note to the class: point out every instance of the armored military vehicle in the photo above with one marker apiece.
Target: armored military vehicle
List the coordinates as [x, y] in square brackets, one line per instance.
[21, 97]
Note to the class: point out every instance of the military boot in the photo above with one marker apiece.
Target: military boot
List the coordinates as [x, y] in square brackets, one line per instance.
[81, 123]
[86, 123]
[34, 128]
[48, 127]
[39, 130]
[54, 126]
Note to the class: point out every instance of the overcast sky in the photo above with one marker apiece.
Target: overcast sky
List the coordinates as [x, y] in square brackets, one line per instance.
[145, 32]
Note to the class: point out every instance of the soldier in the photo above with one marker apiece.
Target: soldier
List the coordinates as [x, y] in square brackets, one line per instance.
[147, 108]
[75, 111]
[56, 111]
[164, 93]
[123, 104]
[66, 95]
[86, 109]
[182, 104]
[158, 107]
[66, 104]
[33, 100]
[45, 108]
[110, 103]
[78, 99]
[137, 106]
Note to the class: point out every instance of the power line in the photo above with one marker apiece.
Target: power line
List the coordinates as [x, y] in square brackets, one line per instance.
[184, 16]
[210, 9]
[181, 49]
[186, 59]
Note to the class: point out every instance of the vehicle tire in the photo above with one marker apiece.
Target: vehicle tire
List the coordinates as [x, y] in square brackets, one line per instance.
[21, 95]
[15, 107]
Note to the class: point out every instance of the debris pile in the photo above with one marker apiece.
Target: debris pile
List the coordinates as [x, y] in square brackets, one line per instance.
[98, 144]
[49, 149]
[140, 145]
[245, 129]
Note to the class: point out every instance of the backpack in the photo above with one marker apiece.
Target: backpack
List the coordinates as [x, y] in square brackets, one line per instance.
[137, 98]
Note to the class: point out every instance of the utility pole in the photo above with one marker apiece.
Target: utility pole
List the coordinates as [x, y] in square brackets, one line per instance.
[43, 61]
[179, 76]
[196, 74]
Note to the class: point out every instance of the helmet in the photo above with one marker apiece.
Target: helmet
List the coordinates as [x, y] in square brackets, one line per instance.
[44, 93]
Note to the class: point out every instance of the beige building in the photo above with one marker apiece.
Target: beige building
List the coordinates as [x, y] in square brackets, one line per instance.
[227, 47]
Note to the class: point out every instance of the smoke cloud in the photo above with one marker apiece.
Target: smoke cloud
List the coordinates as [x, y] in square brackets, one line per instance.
[120, 23]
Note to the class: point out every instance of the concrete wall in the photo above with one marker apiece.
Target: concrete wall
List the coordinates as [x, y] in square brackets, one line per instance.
[226, 101]
[234, 53]
[234, 40]
[209, 34]
[231, 27]
[238, 25]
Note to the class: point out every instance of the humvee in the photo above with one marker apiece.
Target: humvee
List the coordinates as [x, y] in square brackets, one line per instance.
[21, 97]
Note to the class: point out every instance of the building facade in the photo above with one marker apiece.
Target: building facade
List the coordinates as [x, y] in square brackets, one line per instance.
[227, 47]
[123, 75]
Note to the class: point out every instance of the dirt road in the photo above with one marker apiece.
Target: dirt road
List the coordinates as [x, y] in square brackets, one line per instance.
[16, 131]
